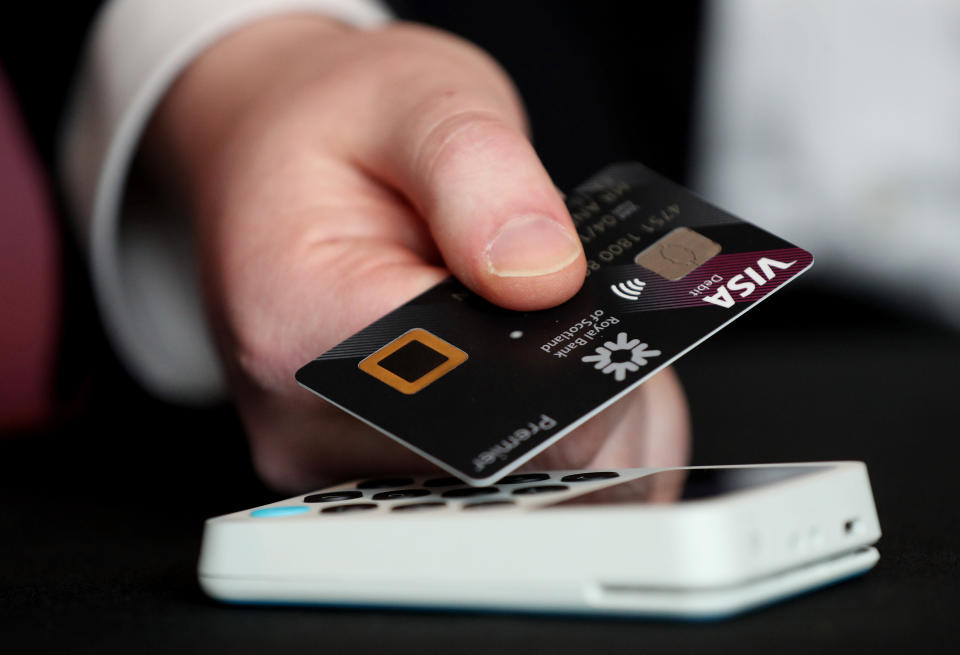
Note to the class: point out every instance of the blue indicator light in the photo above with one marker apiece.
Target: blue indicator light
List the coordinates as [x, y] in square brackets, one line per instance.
[271, 512]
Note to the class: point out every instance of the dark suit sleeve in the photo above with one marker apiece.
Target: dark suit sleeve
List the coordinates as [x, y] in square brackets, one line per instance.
[40, 46]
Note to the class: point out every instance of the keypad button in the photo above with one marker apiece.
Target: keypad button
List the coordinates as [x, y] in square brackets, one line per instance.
[488, 504]
[272, 512]
[448, 481]
[587, 476]
[540, 489]
[398, 494]
[331, 496]
[470, 492]
[524, 478]
[341, 509]
[416, 507]
[385, 483]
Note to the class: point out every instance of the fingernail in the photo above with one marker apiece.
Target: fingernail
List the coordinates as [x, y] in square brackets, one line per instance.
[531, 245]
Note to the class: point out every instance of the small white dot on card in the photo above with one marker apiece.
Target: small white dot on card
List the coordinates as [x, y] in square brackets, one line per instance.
[516, 334]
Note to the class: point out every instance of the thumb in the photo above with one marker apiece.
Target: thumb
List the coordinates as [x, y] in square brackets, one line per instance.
[462, 159]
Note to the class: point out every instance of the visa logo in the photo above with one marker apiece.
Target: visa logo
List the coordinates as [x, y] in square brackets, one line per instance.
[744, 287]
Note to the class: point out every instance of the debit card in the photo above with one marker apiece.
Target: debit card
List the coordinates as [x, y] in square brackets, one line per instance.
[479, 390]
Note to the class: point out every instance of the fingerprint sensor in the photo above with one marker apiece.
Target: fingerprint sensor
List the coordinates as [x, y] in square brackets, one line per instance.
[678, 253]
[413, 360]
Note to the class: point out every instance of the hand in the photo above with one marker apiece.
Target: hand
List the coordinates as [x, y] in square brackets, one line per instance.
[337, 173]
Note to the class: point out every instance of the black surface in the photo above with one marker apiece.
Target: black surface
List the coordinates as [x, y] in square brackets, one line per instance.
[101, 519]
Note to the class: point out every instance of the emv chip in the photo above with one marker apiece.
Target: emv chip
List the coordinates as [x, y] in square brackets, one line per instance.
[677, 253]
[413, 360]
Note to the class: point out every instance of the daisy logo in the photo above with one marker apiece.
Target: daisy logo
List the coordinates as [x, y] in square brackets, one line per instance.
[620, 356]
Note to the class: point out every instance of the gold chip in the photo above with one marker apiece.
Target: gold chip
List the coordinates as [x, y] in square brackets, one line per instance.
[413, 360]
[677, 253]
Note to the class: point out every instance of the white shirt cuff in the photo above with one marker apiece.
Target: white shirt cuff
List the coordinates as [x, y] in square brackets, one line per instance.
[144, 273]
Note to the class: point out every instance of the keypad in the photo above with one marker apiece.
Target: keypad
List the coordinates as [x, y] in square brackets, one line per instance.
[590, 476]
[524, 478]
[399, 494]
[343, 509]
[388, 493]
[416, 507]
[470, 492]
[540, 489]
[331, 496]
[486, 504]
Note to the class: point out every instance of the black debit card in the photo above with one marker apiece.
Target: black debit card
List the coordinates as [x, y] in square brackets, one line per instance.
[479, 390]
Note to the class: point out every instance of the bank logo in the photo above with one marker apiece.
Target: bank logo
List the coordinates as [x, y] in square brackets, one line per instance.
[620, 356]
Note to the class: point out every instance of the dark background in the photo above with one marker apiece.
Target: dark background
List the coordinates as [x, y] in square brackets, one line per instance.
[101, 515]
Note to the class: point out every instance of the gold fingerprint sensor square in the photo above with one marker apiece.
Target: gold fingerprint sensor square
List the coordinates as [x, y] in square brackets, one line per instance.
[413, 360]
[677, 253]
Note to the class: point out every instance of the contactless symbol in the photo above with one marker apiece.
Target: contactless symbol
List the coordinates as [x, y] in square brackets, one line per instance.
[629, 290]
[618, 357]
[412, 361]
